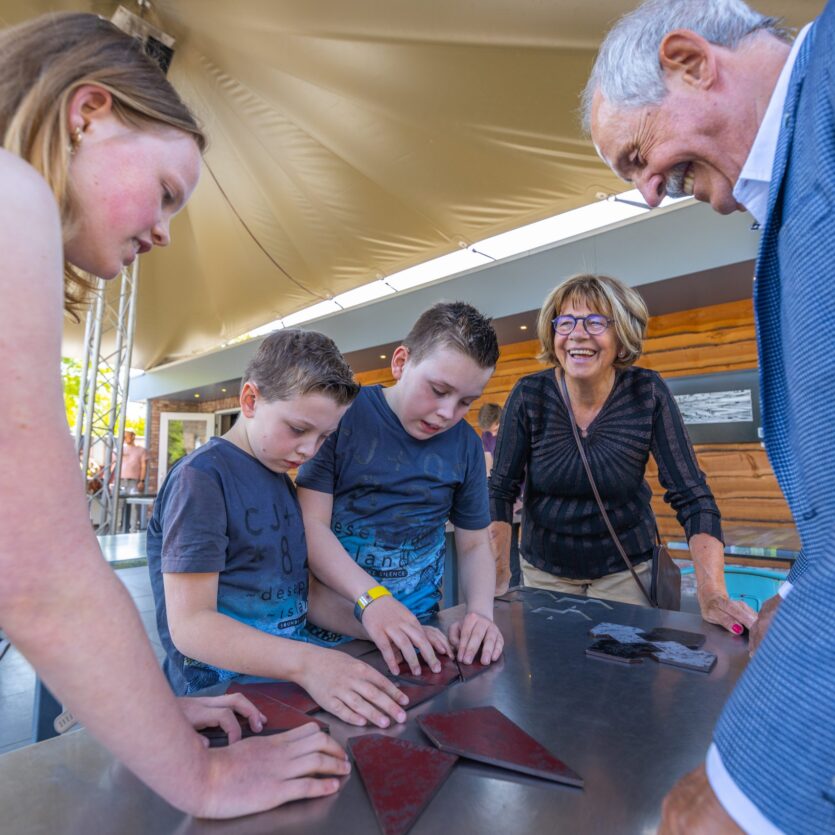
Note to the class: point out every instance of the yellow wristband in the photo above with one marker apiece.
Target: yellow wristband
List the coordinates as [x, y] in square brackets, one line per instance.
[369, 597]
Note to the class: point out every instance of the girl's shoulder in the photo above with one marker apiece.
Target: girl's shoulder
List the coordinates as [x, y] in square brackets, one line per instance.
[22, 182]
[27, 207]
[31, 251]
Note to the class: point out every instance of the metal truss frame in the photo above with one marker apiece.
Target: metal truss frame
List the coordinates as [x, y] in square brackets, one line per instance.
[99, 431]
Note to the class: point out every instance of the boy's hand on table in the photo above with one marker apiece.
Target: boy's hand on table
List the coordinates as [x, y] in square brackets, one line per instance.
[261, 773]
[438, 639]
[219, 712]
[394, 628]
[474, 631]
[352, 690]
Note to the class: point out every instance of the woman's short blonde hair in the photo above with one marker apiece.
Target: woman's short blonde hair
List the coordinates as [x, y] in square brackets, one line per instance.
[42, 63]
[602, 294]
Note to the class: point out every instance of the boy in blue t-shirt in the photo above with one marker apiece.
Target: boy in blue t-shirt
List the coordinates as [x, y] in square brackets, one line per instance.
[226, 543]
[376, 498]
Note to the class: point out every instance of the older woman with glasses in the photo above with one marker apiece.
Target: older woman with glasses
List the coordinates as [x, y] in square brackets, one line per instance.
[591, 329]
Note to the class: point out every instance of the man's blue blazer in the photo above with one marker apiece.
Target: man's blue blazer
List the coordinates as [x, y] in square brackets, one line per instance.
[777, 732]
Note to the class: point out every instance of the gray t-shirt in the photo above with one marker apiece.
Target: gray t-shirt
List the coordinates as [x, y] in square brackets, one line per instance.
[220, 510]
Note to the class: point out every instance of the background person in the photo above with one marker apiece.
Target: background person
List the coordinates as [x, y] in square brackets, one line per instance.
[489, 416]
[98, 154]
[132, 477]
[134, 464]
[591, 329]
[489, 419]
[712, 99]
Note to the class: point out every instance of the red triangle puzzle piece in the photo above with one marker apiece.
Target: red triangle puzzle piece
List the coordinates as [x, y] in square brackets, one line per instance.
[487, 735]
[470, 671]
[448, 674]
[419, 693]
[399, 776]
[286, 692]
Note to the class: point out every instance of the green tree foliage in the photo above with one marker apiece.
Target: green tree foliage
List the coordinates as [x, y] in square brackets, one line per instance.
[176, 442]
[71, 377]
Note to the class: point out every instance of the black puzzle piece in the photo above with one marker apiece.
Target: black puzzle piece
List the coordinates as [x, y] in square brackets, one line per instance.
[676, 655]
[608, 649]
[692, 640]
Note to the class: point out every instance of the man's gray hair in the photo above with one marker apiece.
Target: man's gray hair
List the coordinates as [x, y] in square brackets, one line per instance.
[627, 70]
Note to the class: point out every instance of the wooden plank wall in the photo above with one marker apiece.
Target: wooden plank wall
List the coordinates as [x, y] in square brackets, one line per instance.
[701, 341]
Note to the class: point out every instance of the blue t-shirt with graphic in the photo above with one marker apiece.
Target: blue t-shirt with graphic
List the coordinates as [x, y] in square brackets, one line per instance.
[392, 495]
[220, 510]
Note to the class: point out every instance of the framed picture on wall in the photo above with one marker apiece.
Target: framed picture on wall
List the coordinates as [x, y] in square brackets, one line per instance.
[721, 408]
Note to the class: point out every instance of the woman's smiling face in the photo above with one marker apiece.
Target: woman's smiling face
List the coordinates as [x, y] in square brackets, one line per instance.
[584, 356]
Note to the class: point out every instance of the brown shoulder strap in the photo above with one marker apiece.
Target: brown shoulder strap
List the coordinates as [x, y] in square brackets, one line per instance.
[564, 391]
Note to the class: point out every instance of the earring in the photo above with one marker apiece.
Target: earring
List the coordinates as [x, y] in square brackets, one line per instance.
[621, 354]
[75, 139]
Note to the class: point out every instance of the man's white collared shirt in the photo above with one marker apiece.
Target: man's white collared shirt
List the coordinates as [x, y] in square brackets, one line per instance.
[751, 189]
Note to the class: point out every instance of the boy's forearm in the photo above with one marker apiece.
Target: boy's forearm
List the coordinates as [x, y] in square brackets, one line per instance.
[222, 641]
[332, 611]
[333, 565]
[477, 569]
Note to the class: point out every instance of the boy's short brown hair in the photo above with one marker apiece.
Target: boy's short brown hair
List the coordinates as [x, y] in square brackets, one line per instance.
[489, 415]
[291, 363]
[455, 325]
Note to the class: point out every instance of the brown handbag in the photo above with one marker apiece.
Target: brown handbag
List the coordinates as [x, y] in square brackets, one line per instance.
[665, 583]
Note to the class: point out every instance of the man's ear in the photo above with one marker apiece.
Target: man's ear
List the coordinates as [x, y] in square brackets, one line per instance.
[688, 58]
[398, 361]
[249, 394]
[87, 104]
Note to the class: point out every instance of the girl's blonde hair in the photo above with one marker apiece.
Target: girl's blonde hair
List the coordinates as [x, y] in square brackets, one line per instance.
[605, 295]
[42, 63]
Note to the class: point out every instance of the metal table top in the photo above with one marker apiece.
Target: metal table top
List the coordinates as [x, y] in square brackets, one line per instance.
[629, 731]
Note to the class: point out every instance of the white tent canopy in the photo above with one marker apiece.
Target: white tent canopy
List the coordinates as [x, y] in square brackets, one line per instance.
[350, 140]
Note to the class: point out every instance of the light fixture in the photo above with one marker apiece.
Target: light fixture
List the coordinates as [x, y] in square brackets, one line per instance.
[196, 394]
[315, 311]
[364, 293]
[223, 391]
[523, 327]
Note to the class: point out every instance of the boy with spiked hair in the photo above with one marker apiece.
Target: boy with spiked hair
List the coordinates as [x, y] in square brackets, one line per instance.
[226, 544]
[377, 496]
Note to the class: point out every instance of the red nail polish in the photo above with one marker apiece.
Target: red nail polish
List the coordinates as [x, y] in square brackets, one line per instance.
[737, 629]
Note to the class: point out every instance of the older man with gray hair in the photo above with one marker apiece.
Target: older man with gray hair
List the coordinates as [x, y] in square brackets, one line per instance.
[711, 99]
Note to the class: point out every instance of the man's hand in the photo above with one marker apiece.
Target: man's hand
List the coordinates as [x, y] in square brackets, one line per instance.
[475, 631]
[394, 628]
[758, 630]
[264, 772]
[219, 712]
[352, 690]
[733, 615]
[691, 808]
